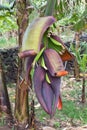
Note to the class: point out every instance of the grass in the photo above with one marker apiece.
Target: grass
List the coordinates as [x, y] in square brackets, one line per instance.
[71, 113]
[2, 123]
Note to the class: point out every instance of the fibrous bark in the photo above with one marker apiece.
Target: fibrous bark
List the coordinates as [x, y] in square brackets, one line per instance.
[21, 103]
[4, 97]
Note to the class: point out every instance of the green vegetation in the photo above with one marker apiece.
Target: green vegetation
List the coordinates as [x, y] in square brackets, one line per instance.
[8, 25]
[71, 19]
[2, 122]
[5, 43]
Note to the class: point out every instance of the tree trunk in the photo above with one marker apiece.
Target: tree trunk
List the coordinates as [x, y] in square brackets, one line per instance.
[76, 66]
[83, 90]
[4, 98]
[21, 103]
[76, 69]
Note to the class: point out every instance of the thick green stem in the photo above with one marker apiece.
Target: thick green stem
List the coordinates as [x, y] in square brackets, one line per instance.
[50, 7]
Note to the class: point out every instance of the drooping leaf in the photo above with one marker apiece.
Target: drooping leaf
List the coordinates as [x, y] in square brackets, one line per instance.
[34, 32]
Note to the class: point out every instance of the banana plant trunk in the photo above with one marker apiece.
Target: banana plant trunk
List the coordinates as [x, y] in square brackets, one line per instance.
[4, 97]
[21, 102]
[83, 90]
[76, 66]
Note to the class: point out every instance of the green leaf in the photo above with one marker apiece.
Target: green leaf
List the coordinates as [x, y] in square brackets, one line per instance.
[80, 25]
[83, 63]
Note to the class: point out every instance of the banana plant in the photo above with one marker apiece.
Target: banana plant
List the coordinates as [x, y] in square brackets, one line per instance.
[44, 54]
[81, 57]
[5, 106]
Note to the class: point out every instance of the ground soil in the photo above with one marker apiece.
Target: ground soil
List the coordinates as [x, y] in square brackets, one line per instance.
[66, 128]
[4, 128]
